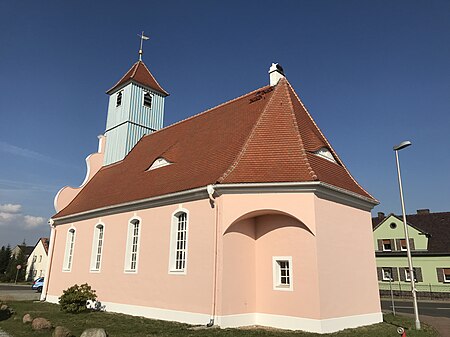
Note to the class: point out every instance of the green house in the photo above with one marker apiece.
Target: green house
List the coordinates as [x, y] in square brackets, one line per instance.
[429, 235]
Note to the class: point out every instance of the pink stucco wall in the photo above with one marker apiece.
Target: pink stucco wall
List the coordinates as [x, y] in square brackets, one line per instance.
[152, 285]
[330, 244]
[346, 260]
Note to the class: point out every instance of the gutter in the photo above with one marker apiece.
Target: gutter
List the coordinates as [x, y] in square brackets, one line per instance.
[321, 189]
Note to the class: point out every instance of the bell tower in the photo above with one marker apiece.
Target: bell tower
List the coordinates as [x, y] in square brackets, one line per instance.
[136, 108]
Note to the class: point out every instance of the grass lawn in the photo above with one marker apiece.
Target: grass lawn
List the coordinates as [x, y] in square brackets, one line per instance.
[123, 325]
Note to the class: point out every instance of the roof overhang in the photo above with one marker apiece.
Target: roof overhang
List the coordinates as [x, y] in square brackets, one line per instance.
[320, 189]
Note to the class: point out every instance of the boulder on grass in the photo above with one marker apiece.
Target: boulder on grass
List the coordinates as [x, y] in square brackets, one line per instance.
[40, 323]
[5, 312]
[27, 318]
[94, 332]
[61, 331]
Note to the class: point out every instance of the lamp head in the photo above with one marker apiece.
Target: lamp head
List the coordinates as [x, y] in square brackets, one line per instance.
[402, 145]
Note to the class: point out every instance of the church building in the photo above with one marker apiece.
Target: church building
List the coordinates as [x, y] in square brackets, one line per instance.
[240, 215]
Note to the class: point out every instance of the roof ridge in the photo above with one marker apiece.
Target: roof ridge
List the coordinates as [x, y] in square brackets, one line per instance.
[302, 146]
[203, 112]
[328, 143]
[246, 144]
[137, 64]
[154, 79]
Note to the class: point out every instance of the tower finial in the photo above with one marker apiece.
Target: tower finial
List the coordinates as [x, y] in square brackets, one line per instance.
[143, 37]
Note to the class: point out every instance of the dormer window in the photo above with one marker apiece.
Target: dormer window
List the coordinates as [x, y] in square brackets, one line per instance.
[119, 99]
[147, 100]
[326, 154]
[159, 162]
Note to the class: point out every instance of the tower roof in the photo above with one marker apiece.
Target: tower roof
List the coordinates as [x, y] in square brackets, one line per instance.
[139, 73]
[265, 136]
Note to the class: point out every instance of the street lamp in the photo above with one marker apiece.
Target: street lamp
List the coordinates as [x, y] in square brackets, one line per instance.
[397, 148]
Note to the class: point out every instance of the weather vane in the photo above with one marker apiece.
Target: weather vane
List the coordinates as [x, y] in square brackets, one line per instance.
[143, 37]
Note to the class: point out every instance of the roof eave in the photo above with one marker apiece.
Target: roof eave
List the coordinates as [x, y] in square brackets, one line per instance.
[131, 80]
[322, 190]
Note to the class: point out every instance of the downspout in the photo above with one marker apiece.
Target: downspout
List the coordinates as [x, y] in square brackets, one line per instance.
[210, 190]
[51, 246]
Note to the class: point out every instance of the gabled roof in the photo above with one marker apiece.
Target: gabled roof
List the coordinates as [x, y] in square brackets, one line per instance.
[265, 136]
[139, 73]
[45, 243]
[435, 225]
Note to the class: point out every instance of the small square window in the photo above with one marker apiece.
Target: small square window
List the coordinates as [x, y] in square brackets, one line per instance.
[387, 274]
[387, 246]
[407, 278]
[403, 246]
[282, 273]
[446, 272]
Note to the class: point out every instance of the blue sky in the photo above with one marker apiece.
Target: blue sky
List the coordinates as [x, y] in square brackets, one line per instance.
[372, 73]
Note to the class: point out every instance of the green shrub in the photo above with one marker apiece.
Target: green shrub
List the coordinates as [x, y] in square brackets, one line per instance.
[74, 299]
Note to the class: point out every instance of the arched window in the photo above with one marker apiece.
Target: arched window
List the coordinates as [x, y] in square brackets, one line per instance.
[97, 247]
[132, 253]
[147, 100]
[70, 244]
[178, 242]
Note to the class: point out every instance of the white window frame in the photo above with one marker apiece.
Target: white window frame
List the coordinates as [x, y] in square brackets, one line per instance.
[70, 248]
[444, 278]
[276, 271]
[384, 278]
[131, 244]
[401, 247]
[390, 243]
[174, 242]
[95, 247]
[407, 278]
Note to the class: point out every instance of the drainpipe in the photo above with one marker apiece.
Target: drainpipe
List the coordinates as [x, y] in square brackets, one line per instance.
[214, 204]
[51, 246]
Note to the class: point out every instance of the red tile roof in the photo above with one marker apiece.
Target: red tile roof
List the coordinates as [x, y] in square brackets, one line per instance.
[45, 243]
[264, 136]
[139, 73]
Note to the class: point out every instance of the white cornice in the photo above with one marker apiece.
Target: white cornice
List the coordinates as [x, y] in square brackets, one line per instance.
[322, 190]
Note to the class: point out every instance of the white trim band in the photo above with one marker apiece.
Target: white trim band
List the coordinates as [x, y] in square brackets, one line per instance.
[327, 325]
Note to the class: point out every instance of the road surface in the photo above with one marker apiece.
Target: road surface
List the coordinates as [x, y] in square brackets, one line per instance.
[435, 309]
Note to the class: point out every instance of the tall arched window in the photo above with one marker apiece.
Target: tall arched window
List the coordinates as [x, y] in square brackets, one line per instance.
[132, 253]
[70, 244]
[97, 247]
[178, 242]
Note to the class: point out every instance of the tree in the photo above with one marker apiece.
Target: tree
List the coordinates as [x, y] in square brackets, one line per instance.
[5, 257]
[11, 270]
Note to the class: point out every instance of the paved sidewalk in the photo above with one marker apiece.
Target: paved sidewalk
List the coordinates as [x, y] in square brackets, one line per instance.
[441, 324]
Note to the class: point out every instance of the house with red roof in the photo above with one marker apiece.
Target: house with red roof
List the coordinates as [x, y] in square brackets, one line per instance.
[240, 215]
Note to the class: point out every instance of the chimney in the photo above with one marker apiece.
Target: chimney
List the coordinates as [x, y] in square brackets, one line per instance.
[380, 215]
[423, 211]
[276, 73]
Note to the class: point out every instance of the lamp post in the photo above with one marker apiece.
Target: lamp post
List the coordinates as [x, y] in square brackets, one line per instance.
[397, 148]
